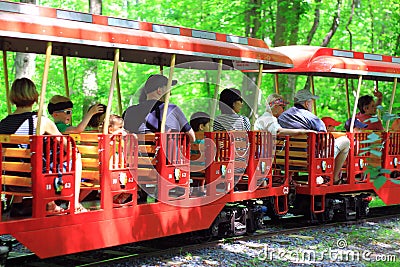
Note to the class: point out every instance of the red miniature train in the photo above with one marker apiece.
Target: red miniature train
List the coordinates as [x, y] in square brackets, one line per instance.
[154, 171]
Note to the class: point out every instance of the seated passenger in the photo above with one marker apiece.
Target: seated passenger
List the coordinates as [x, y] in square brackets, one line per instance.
[330, 123]
[97, 119]
[367, 114]
[115, 125]
[358, 125]
[301, 117]
[200, 123]
[230, 104]
[268, 121]
[60, 108]
[24, 94]
[146, 116]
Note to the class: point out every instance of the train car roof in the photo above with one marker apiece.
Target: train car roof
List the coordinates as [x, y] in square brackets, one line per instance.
[323, 61]
[86, 35]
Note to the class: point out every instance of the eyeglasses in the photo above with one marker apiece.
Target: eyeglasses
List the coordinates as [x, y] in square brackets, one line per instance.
[67, 112]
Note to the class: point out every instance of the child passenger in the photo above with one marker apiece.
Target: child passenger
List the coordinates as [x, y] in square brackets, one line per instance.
[96, 120]
[116, 127]
[60, 108]
[367, 107]
[200, 123]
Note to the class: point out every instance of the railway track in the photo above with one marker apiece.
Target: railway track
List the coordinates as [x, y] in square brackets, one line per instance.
[163, 247]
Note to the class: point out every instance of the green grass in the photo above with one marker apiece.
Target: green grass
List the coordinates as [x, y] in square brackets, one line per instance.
[376, 202]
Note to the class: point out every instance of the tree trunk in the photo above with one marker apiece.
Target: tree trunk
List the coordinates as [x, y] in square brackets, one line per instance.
[316, 22]
[335, 25]
[371, 13]
[25, 64]
[287, 27]
[397, 47]
[281, 23]
[353, 4]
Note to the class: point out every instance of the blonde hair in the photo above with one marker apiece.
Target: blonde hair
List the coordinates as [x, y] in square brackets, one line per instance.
[23, 93]
[59, 99]
[115, 119]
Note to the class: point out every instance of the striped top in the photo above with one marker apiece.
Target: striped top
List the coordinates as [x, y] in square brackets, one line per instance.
[231, 122]
[18, 123]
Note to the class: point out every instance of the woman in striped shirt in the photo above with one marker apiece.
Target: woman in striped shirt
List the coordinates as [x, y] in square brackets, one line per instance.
[230, 104]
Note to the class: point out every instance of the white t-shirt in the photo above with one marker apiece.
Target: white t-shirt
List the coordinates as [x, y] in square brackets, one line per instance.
[267, 122]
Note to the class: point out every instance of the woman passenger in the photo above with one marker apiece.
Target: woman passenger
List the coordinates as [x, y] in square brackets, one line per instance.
[24, 94]
[230, 104]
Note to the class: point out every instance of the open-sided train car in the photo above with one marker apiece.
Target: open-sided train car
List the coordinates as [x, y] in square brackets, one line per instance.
[350, 198]
[158, 160]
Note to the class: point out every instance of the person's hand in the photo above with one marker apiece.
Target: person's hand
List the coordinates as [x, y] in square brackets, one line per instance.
[98, 108]
[377, 94]
[120, 131]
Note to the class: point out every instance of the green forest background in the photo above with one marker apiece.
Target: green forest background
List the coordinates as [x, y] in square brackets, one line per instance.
[363, 25]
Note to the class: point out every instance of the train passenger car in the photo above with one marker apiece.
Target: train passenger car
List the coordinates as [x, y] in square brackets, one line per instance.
[349, 199]
[158, 163]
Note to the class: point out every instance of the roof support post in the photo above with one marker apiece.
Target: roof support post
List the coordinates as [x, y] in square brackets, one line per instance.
[391, 102]
[353, 117]
[216, 91]
[6, 81]
[167, 95]
[276, 83]
[110, 94]
[376, 88]
[256, 94]
[44, 85]
[347, 97]
[119, 95]
[313, 92]
[65, 76]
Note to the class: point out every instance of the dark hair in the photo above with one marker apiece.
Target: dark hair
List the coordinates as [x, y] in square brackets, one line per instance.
[156, 81]
[363, 102]
[97, 119]
[199, 118]
[227, 98]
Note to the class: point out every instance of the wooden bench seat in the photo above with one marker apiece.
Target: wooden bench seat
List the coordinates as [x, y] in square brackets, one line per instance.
[16, 166]
[88, 147]
[163, 161]
[309, 156]
[298, 155]
[147, 173]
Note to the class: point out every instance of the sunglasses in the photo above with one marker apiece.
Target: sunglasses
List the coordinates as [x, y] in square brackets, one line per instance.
[67, 112]
[278, 102]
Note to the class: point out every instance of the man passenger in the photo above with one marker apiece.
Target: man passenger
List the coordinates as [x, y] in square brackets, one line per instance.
[301, 117]
[268, 121]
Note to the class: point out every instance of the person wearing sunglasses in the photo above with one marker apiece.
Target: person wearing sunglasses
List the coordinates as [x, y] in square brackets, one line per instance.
[60, 108]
